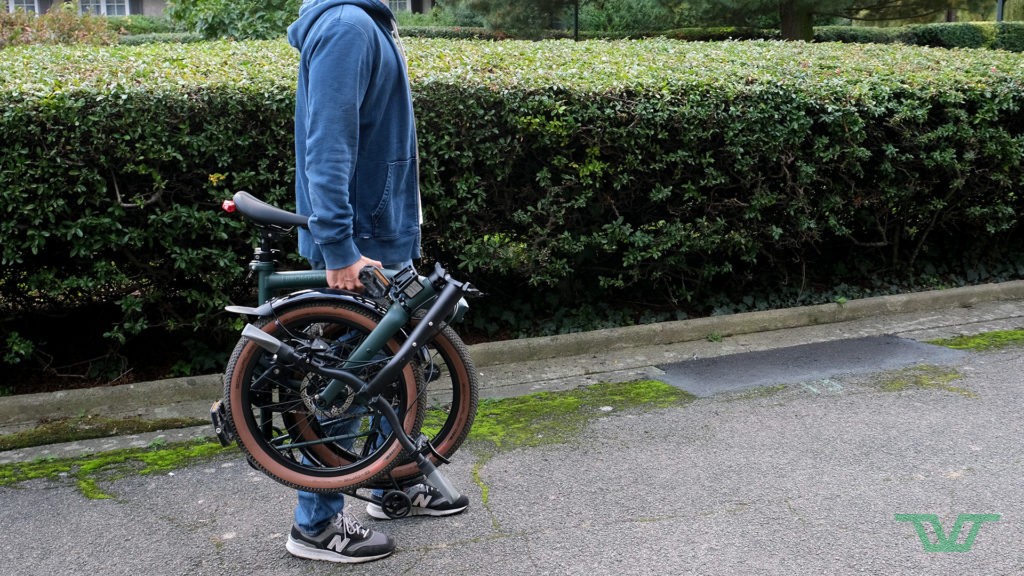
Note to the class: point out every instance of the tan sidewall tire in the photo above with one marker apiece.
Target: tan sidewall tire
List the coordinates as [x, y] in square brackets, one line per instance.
[237, 379]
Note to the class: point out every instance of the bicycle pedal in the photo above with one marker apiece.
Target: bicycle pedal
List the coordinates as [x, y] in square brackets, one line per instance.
[221, 426]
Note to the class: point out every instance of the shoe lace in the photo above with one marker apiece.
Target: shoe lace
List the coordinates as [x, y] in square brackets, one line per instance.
[350, 525]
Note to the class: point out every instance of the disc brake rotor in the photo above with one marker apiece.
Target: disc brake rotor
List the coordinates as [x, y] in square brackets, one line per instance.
[312, 385]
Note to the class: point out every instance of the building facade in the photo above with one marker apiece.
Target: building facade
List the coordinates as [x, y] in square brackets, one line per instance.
[98, 7]
[156, 7]
[418, 6]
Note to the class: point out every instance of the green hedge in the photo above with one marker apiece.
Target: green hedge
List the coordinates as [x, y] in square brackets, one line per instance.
[110, 184]
[1009, 36]
[950, 35]
[160, 38]
[857, 34]
[138, 25]
[707, 34]
[451, 33]
[1002, 36]
[663, 169]
[679, 176]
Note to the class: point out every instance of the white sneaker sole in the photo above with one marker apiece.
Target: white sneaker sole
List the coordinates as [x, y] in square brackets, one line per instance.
[377, 512]
[300, 550]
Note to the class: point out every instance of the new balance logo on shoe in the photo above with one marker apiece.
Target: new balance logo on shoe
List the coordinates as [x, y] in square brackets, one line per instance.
[338, 543]
[422, 499]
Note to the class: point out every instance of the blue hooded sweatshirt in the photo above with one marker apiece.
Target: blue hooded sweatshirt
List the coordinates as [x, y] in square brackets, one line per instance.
[355, 136]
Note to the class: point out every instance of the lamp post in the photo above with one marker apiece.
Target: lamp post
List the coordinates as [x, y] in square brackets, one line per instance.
[1000, 5]
[576, 21]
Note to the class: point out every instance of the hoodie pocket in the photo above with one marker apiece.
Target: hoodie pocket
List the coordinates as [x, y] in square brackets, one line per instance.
[397, 212]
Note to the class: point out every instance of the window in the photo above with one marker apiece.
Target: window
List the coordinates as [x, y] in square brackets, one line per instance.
[23, 5]
[399, 5]
[117, 7]
[104, 7]
[91, 6]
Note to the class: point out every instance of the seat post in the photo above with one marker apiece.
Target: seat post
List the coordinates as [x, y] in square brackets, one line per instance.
[264, 263]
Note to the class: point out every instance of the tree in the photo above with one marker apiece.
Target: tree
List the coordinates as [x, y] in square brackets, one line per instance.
[625, 16]
[521, 16]
[1014, 11]
[796, 18]
[240, 19]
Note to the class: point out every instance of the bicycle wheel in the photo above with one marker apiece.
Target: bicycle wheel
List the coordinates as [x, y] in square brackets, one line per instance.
[285, 434]
[452, 394]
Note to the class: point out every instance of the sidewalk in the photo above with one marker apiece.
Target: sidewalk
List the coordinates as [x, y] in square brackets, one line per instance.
[512, 368]
[808, 478]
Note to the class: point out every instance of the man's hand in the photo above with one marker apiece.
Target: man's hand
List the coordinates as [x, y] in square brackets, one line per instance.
[348, 278]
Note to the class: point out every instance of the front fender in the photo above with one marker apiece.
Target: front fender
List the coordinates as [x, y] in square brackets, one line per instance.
[280, 305]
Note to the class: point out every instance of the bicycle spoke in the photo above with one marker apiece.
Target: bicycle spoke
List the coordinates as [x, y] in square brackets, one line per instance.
[267, 381]
[282, 406]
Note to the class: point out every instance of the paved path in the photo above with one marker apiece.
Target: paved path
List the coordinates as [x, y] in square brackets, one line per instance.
[794, 482]
[803, 480]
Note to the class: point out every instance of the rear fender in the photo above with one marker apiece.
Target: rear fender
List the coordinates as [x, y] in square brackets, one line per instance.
[278, 306]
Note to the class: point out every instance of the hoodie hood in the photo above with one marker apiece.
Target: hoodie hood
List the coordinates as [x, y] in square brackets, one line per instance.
[311, 11]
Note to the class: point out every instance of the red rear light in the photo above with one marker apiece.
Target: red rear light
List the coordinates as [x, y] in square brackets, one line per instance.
[228, 206]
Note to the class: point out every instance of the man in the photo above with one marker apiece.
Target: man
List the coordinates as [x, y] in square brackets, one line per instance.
[357, 178]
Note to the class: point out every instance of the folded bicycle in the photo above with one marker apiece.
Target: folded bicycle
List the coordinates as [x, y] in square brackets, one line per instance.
[333, 391]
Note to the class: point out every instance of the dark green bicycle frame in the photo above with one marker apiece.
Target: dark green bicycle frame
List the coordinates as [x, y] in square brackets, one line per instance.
[272, 282]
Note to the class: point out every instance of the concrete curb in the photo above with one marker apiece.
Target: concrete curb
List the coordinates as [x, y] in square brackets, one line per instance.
[512, 351]
[151, 400]
[193, 395]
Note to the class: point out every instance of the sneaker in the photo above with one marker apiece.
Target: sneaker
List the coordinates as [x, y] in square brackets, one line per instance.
[426, 501]
[344, 540]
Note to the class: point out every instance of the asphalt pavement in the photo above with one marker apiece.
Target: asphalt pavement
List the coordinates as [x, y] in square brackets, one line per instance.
[820, 468]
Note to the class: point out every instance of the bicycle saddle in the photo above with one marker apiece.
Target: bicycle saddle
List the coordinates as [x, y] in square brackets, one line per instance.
[262, 213]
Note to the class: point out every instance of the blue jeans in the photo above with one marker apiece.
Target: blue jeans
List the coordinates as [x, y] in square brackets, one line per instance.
[314, 511]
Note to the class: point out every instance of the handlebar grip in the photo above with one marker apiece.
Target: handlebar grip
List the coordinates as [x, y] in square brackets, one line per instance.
[375, 283]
